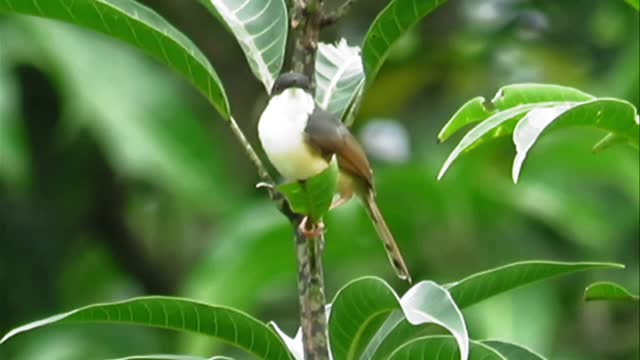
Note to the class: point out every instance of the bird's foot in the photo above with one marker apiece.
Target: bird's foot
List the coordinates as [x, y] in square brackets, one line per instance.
[310, 232]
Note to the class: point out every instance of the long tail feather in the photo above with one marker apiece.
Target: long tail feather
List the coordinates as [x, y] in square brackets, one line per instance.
[393, 252]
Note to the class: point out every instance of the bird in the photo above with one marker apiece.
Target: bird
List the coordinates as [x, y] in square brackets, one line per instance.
[300, 139]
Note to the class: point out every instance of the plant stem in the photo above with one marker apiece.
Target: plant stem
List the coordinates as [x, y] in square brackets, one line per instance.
[313, 316]
[306, 23]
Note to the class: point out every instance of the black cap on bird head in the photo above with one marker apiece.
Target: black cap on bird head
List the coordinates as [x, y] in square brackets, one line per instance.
[290, 80]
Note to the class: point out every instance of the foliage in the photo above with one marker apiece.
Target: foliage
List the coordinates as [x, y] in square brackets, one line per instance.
[368, 320]
[151, 135]
[606, 290]
[526, 110]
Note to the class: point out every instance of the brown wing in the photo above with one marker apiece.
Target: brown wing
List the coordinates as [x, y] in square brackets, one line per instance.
[329, 136]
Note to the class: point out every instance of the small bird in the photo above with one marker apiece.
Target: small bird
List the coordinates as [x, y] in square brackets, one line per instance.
[300, 139]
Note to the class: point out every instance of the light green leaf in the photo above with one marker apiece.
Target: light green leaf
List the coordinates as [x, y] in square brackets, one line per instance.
[339, 76]
[512, 351]
[260, 27]
[394, 21]
[227, 324]
[442, 348]
[634, 3]
[138, 25]
[527, 110]
[366, 311]
[608, 291]
[312, 197]
[480, 109]
[483, 285]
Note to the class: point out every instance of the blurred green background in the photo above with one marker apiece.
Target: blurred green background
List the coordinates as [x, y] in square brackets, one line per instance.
[117, 179]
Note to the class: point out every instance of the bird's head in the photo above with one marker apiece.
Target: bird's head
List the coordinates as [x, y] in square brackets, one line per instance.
[290, 81]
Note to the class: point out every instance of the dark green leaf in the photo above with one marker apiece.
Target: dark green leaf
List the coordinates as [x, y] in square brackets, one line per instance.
[608, 291]
[313, 196]
[136, 24]
[483, 285]
[224, 323]
[260, 27]
[512, 351]
[442, 348]
[394, 21]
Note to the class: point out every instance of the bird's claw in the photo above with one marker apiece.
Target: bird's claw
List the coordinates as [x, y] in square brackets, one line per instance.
[265, 185]
[310, 233]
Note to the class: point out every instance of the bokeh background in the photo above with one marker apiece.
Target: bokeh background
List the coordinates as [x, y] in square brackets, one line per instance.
[117, 179]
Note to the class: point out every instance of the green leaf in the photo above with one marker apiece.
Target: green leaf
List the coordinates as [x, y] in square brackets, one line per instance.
[479, 109]
[634, 3]
[443, 348]
[366, 311]
[312, 197]
[357, 311]
[260, 27]
[171, 357]
[527, 110]
[394, 21]
[339, 76]
[512, 351]
[141, 27]
[608, 291]
[483, 285]
[227, 324]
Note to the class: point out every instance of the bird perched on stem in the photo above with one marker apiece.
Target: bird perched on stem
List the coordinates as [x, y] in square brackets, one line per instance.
[300, 139]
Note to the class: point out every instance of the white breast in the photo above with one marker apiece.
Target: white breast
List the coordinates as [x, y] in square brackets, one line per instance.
[281, 132]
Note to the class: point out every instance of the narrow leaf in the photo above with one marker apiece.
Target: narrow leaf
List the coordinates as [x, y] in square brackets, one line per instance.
[141, 27]
[260, 27]
[483, 285]
[339, 76]
[608, 291]
[394, 21]
[224, 323]
[512, 351]
[442, 348]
